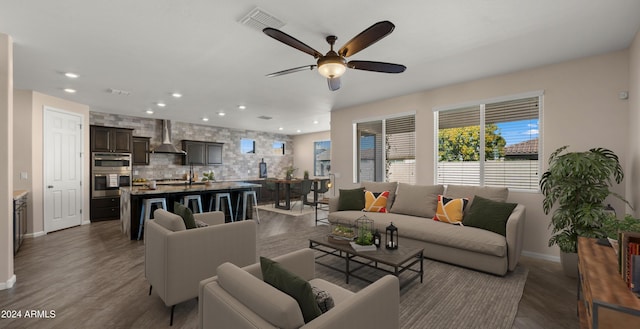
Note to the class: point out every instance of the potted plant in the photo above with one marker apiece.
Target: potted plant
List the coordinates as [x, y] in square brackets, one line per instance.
[611, 226]
[290, 171]
[306, 174]
[208, 177]
[578, 183]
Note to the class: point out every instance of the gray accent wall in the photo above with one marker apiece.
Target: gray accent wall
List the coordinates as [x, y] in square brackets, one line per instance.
[235, 166]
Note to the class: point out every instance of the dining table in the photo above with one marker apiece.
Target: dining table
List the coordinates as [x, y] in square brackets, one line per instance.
[283, 187]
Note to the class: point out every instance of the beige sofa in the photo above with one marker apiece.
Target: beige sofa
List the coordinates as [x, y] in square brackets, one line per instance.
[238, 298]
[412, 209]
[177, 259]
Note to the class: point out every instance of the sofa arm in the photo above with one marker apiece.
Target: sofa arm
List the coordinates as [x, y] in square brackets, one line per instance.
[515, 235]
[375, 306]
[194, 255]
[333, 204]
[210, 218]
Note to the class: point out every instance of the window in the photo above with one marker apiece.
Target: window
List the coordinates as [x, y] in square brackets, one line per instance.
[322, 158]
[278, 148]
[385, 150]
[247, 146]
[494, 143]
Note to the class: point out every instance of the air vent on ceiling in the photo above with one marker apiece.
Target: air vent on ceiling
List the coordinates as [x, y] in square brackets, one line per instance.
[119, 92]
[264, 117]
[259, 19]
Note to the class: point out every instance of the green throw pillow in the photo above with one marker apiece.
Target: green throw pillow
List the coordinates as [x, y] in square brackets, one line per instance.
[489, 215]
[186, 214]
[351, 199]
[292, 285]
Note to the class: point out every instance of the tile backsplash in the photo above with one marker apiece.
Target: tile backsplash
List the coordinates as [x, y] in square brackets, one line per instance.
[235, 166]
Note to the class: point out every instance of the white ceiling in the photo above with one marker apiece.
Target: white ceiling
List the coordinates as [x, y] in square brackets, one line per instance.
[152, 48]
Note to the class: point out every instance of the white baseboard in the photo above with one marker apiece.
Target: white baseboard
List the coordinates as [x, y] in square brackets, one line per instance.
[35, 234]
[555, 259]
[85, 222]
[9, 283]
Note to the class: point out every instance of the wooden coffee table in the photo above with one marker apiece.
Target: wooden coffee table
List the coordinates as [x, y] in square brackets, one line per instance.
[400, 260]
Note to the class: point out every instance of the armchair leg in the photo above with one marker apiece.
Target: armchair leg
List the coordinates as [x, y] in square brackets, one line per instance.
[150, 288]
[171, 321]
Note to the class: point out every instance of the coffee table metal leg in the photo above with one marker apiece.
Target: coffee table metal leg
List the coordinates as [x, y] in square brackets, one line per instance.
[346, 272]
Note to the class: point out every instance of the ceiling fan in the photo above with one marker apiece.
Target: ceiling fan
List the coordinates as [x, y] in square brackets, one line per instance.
[333, 65]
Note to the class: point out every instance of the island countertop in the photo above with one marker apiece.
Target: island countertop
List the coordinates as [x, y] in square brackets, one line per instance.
[185, 188]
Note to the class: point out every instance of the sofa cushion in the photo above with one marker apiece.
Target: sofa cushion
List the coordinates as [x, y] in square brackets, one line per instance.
[351, 199]
[499, 194]
[186, 214]
[450, 210]
[416, 200]
[171, 222]
[375, 201]
[279, 309]
[417, 228]
[381, 187]
[489, 215]
[323, 299]
[292, 285]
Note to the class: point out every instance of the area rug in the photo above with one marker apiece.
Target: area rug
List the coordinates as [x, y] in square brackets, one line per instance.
[295, 211]
[449, 297]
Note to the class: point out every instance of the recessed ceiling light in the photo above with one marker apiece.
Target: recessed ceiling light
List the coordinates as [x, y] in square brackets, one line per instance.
[176, 95]
[71, 75]
[205, 119]
[70, 91]
[161, 104]
[298, 131]
[149, 111]
[221, 114]
[315, 122]
[242, 107]
[280, 128]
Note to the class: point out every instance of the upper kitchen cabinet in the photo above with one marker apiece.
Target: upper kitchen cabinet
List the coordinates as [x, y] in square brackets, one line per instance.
[214, 153]
[110, 139]
[202, 153]
[141, 151]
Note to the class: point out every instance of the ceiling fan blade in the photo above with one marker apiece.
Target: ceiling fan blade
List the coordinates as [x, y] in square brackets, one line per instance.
[376, 66]
[293, 70]
[334, 83]
[291, 41]
[366, 38]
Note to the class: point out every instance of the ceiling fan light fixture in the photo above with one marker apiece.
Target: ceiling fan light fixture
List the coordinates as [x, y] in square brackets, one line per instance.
[331, 66]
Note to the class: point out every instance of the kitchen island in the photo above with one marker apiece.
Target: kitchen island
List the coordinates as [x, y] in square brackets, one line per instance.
[131, 198]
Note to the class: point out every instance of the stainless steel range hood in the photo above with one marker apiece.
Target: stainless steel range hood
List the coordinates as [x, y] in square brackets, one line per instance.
[167, 146]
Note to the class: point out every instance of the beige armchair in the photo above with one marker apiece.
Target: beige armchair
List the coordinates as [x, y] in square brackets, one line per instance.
[177, 259]
[238, 298]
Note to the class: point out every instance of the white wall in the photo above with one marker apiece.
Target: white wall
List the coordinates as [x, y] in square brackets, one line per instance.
[581, 109]
[7, 277]
[303, 153]
[29, 107]
[633, 174]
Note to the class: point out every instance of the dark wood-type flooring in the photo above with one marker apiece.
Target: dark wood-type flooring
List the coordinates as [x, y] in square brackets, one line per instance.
[92, 276]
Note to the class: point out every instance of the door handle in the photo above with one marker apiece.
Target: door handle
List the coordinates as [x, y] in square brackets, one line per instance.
[50, 186]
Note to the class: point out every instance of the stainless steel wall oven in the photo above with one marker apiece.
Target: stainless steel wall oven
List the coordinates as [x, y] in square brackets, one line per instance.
[109, 172]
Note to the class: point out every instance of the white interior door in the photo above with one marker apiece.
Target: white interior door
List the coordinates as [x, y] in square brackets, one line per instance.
[62, 169]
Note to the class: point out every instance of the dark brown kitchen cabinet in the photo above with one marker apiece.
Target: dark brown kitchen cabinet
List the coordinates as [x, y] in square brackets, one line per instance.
[111, 139]
[214, 153]
[196, 152]
[141, 151]
[105, 209]
[202, 153]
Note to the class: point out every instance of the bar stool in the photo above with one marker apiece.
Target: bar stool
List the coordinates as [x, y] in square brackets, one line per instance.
[245, 196]
[186, 201]
[145, 211]
[220, 196]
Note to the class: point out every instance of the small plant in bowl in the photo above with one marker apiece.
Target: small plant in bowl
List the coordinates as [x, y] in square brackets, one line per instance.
[208, 177]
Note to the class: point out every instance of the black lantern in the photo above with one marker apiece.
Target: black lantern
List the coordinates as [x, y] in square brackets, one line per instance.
[391, 237]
